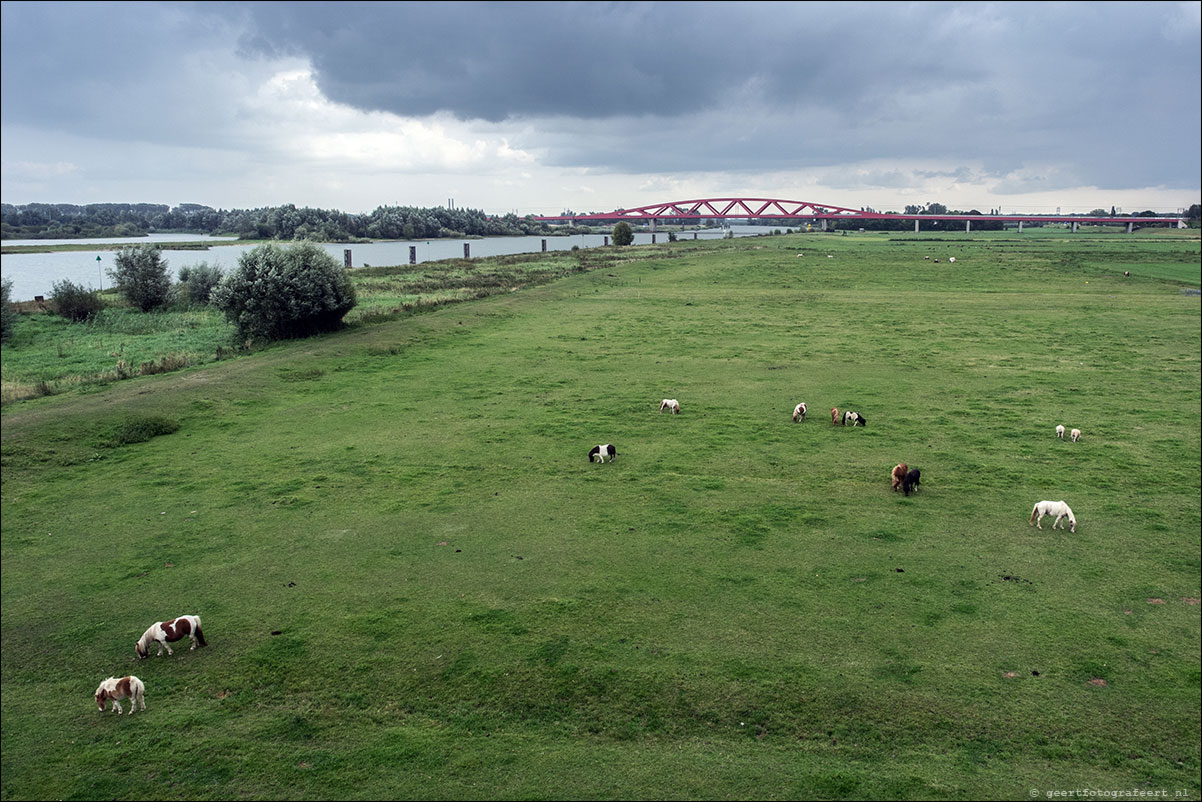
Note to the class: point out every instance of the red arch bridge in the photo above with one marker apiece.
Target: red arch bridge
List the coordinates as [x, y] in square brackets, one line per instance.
[823, 213]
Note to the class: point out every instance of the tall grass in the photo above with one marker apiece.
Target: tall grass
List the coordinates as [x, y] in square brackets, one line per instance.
[415, 585]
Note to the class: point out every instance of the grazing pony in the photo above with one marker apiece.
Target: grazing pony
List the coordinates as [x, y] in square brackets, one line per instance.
[1075, 434]
[854, 419]
[1057, 508]
[130, 688]
[911, 481]
[1060, 432]
[799, 412]
[164, 632]
[834, 416]
[898, 475]
[671, 405]
[599, 453]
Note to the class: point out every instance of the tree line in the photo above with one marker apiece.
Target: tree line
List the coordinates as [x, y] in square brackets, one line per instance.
[287, 222]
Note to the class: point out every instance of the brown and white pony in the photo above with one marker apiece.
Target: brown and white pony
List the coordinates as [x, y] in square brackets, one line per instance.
[799, 412]
[130, 688]
[670, 404]
[164, 632]
[834, 416]
[898, 475]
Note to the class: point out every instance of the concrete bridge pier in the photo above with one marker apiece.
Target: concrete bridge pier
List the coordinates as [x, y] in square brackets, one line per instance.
[1020, 226]
[653, 226]
[967, 226]
[824, 224]
[915, 226]
[1075, 225]
[1130, 227]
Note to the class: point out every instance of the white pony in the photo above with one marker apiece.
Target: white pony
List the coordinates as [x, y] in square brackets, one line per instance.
[799, 412]
[1057, 508]
[670, 404]
[164, 632]
[1060, 431]
[1075, 434]
[130, 688]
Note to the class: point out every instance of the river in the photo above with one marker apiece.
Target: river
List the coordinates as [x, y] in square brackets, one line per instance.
[34, 274]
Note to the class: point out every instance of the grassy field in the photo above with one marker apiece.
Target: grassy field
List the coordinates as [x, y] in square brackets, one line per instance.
[49, 354]
[415, 586]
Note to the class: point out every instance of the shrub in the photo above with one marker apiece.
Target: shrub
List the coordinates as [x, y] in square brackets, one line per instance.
[141, 276]
[200, 281]
[277, 293]
[623, 235]
[137, 429]
[75, 302]
[7, 313]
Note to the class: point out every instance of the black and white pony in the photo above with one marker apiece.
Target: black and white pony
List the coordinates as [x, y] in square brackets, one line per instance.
[911, 481]
[602, 453]
[854, 419]
[164, 632]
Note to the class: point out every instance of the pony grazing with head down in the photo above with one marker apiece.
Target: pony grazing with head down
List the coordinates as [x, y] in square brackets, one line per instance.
[911, 481]
[601, 453]
[799, 412]
[670, 404]
[130, 688]
[164, 632]
[1057, 508]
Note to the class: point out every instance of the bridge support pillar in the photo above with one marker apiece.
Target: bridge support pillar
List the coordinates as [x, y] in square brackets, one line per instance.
[1075, 227]
[694, 235]
[544, 246]
[467, 251]
[1130, 227]
[653, 239]
[606, 241]
[967, 226]
[412, 254]
[824, 224]
[1020, 226]
[653, 227]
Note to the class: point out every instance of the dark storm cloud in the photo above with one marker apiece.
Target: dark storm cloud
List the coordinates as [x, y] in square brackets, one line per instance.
[667, 86]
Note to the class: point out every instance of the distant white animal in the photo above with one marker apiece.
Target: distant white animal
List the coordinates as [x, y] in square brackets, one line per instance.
[600, 453]
[799, 412]
[951, 258]
[130, 688]
[1075, 434]
[670, 404]
[1060, 432]
[1057, 508]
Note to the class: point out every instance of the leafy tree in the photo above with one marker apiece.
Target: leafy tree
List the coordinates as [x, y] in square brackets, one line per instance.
[75, 302]
[141, 276]
[622, 234]
[278, 293]
[200, 281]
[7, 313]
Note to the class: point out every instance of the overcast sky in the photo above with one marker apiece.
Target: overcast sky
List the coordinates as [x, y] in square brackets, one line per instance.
[540, 107]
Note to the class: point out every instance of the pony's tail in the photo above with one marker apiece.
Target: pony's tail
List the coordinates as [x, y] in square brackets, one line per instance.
[1032, 521]
[200, 636]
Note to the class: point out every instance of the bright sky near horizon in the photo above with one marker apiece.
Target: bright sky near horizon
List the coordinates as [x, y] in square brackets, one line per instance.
[536, 108]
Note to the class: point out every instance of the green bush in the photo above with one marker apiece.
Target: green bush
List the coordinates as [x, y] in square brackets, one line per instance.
[7, 313]
[200, 281]
[137, 429]
[277, 293]
[74, 301]
[141, 276]
[623, 235]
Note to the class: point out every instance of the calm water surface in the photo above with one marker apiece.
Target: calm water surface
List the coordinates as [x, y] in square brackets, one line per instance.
[34, 274]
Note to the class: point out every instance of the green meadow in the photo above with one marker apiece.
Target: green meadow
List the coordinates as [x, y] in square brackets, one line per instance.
[415, 586]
